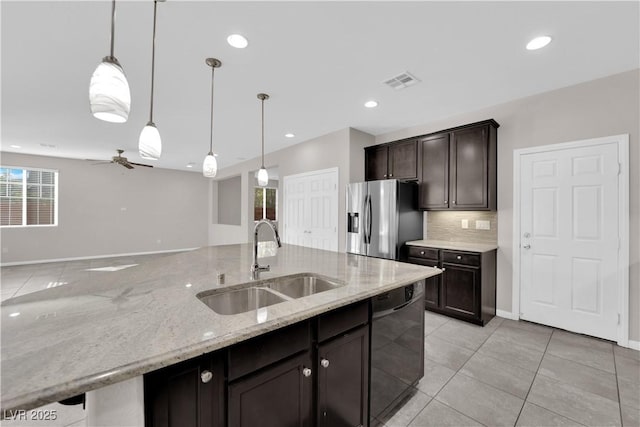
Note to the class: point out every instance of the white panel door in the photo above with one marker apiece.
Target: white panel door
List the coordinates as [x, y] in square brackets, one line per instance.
[311, 209]
[294, 212]
[569, 242]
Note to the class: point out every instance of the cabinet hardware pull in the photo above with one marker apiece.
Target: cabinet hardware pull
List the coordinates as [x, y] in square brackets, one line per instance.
[324, 363]
[421, 252]
[206, 376]
[459, 257]
[385, 175]
[445, 201]
[454, 202]
[390, 174]
[443, 269]
[306, 372]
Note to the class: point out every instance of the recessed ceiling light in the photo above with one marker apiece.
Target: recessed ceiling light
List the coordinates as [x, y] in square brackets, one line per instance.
[15, 314]
[15, 146]
[371, 104]
[190, 165]
[237, 41]
[188, 285]
[289, 135]
[538, 42]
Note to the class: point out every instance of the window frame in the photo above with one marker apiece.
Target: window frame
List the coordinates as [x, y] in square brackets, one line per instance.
[264, 202]
[24, 196]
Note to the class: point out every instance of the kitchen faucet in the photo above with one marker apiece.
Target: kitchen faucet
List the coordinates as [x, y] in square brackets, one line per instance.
[255, 267]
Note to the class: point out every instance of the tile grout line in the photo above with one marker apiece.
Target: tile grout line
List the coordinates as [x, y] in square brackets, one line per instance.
[615, 370]
[534, 378]
[458, 372]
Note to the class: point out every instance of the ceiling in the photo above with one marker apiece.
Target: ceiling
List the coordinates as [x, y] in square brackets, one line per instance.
[319, 61]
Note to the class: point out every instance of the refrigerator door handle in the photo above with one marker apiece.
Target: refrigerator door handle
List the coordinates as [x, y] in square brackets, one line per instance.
[365, 220]
[369, 219]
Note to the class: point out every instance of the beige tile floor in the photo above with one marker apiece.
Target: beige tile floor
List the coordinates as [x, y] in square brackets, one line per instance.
[507, 373]
[513, 373]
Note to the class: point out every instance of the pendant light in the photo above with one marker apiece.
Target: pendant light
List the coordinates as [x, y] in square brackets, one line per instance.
[263, 175]
[149, 143]
[210, 165]
[109, 93]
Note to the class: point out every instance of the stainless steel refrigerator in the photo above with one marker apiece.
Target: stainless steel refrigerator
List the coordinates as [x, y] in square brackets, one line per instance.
[381, 217]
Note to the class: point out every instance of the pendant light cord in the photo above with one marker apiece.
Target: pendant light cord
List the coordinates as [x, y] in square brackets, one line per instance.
[213, 69]
[262, 133]
[153, 57]
[113, 20]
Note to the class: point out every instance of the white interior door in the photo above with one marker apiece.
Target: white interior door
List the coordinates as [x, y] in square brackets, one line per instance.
[311, 209]
[569, 242]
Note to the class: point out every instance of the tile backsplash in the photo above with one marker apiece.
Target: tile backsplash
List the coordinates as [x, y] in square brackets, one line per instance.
[447, 225]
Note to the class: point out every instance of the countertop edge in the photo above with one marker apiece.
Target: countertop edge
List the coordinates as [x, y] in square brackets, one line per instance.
[82, 385]
[456, 246]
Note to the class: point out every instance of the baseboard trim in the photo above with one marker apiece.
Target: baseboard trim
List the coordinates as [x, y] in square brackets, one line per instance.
[42, 261]
[635, 345]
[506, 314]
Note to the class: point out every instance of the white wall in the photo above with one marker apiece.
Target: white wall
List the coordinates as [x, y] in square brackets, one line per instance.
[603, 107]
[107, 210]
[343, 149]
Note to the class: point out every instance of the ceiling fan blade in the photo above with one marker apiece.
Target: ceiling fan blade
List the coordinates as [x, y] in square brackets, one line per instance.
[106, 162]
[140, 164]
[126, 165]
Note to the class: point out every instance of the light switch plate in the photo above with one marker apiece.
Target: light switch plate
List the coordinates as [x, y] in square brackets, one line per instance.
[465, 223]
[483, 225]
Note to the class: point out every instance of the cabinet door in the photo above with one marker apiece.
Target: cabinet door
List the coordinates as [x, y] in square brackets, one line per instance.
[185, 395]
[376, 162]
[277, 396]
[461, 290]
[343, 380]
[434, 178]
[469, 169]
[431, 284]
[403, 160]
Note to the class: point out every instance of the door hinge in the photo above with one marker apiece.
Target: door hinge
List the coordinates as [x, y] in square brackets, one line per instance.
[619, 168]
[618, 318]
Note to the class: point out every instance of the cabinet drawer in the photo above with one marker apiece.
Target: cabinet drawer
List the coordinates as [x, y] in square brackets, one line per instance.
[266, 349]
[465, 258]
[420, 252]
[424, 261]
[341, 320]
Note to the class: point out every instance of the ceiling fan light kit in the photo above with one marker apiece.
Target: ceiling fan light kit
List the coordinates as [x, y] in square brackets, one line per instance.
[150, 143]
[109, 93]
[263, 175]
[210, 164]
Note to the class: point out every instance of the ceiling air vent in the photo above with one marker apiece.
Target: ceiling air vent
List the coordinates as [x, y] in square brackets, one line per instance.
[401, 81]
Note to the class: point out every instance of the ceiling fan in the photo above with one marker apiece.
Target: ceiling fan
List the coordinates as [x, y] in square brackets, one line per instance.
[123, 161]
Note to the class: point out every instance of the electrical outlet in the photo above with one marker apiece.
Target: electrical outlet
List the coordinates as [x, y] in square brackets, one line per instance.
[483, 225]
[465, 223]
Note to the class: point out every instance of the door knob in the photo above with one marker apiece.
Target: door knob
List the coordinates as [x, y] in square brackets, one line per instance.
[527, 235]
[527, 246]
[324, 363]
[306, 372]
[206, 376]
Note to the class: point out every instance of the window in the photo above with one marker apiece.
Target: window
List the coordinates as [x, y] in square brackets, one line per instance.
[28, 197]
[265, 203]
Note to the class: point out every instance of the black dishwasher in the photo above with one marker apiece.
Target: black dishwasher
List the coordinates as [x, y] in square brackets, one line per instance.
[397, 346]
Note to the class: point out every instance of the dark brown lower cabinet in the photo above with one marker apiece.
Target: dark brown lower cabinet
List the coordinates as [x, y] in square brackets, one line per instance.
[314, 372]
[277, 396]
[461, 290]
[343, 380]
[466, 289]
[188, 394]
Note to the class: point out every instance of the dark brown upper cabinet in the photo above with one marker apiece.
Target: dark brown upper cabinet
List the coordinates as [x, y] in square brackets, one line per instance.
[397, 160]
[459, 168]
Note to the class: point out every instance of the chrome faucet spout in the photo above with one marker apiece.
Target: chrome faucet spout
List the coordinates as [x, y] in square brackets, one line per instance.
[255, 267]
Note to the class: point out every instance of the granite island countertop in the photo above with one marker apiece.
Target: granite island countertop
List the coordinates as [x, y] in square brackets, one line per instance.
[85, 335]
[457, 246]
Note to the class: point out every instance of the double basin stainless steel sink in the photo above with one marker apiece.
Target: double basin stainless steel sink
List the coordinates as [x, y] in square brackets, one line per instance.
[255, 295]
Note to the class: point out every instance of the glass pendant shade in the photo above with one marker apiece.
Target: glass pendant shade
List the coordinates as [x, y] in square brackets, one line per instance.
[263, 177]
[210, 166]
[149, 143]
[109, 93]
